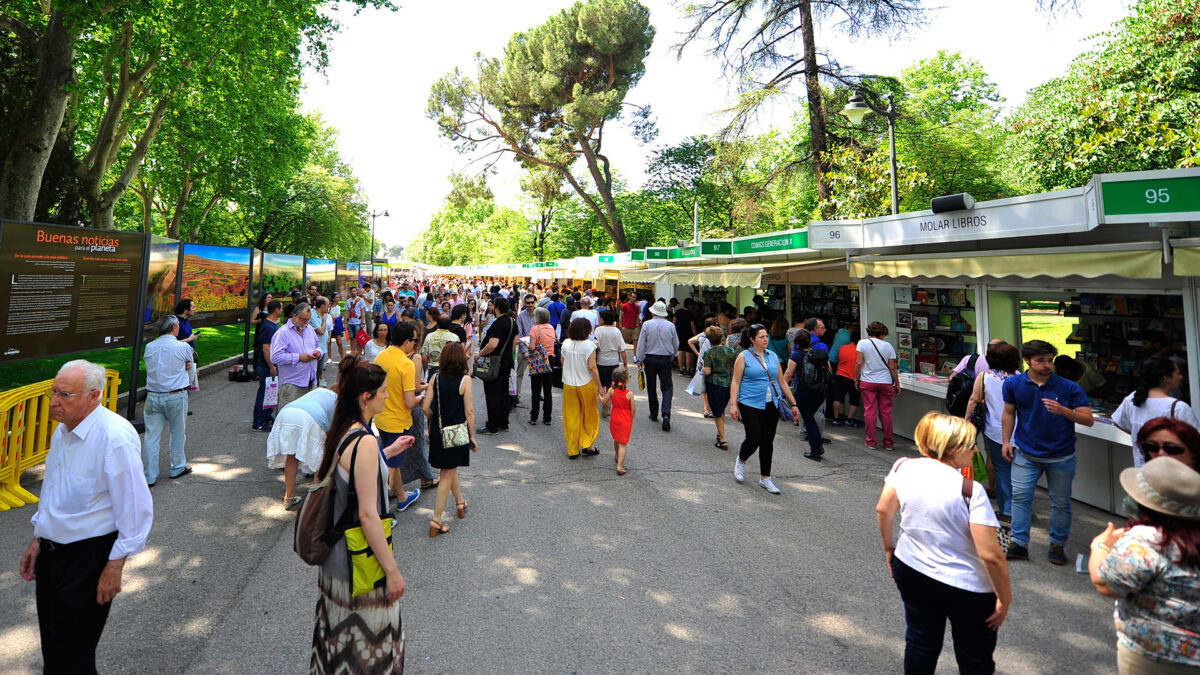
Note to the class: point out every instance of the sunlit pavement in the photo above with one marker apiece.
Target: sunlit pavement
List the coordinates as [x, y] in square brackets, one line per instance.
[561, 565]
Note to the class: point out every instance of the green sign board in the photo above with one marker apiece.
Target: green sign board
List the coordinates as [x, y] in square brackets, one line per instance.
[685, 252]
[716, 248]
[606, 259]
[1169, 198]
[638, 254]
[771, 243]
[657, 253]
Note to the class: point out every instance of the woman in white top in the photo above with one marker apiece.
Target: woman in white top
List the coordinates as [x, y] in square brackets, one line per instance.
[699, 344]
[581, 390]
[610, 354]
[878, 381]
[380, 342]
[947, 562]
[1151, 399]
[1003, 361]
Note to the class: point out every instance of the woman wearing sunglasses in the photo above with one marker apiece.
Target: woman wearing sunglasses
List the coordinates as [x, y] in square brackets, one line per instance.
[1167, 437]
[1153, 399]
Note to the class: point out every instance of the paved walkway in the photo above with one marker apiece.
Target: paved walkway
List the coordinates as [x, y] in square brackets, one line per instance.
[560, 566]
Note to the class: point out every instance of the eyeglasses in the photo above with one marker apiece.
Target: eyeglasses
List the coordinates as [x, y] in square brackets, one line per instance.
[1153, 447]
[54, 393]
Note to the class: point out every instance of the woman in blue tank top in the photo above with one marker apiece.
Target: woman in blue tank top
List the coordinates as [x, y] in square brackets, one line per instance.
[756, 386]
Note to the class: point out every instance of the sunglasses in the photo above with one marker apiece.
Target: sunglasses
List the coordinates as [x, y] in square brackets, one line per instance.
[1152, 447]
[757, 327]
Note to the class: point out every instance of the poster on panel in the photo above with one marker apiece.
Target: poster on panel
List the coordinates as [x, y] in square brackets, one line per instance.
[217, 280]
[162, 276]
[282, 274]
[67, 289]
[322, 273]
[347, 276]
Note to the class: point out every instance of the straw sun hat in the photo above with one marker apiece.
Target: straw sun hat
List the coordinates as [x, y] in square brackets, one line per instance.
[1165, 485]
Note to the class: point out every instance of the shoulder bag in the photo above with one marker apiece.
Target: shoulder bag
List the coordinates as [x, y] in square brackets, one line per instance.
[885, 361]
[539, 360]
[366, 574]
[487, 368]
[455, 435]
[785, 411]
[979, 412]
[315, 533]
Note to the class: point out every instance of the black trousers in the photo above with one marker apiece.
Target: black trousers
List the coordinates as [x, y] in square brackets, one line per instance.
[69, 618]
[659, 368]
[928, 603]
[760, 428]
[495, 394]
[540, 389]
[809, 402]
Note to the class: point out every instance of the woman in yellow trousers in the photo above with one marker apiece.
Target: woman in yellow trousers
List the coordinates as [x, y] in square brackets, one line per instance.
[581, 390]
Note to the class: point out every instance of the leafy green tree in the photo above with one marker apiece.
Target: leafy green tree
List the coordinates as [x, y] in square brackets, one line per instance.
[1132, 104]
[684, 175]
[547, 102]
[545, 188]
[860, 184]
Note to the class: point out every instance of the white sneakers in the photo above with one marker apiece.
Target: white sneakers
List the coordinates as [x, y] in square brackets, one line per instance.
[739, 470]
[768, 485]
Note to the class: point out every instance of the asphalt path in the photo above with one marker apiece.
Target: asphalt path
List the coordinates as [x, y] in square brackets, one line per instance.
[561, 566]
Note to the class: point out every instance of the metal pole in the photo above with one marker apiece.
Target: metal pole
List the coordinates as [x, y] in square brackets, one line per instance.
[891, 115]
[371, 253]
[138, 332]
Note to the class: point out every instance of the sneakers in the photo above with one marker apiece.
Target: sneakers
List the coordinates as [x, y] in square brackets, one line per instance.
[409, 497]
[484, 431]
[1019, 552]
[666, 424]
[1057, 556]
[836, 423]
[739, 471]
[768, 485]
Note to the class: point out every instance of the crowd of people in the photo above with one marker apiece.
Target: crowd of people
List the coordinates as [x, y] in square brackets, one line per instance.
[399, 418]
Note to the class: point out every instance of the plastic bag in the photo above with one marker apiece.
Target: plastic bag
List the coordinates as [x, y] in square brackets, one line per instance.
[271, 392]
[193, 380]
[696, 387]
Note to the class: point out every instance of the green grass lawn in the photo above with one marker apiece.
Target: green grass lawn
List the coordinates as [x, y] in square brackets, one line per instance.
[214, 344]
[1049, 327]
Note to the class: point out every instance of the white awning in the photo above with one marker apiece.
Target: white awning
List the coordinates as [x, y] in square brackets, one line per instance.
[718, 275]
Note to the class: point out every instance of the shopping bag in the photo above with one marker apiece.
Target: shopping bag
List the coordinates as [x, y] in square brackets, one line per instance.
[193, 380]
[512, 382]
[271, 393]
[362, 338]
[696, 386]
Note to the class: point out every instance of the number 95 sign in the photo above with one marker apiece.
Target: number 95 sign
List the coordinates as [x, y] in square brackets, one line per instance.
[1151, 196]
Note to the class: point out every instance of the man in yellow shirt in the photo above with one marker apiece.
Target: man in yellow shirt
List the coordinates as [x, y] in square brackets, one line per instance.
[396, 418]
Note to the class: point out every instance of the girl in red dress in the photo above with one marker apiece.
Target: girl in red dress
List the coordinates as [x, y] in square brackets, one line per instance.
[620, 423]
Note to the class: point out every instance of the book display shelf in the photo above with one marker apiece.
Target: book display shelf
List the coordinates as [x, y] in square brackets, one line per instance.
[935, 328]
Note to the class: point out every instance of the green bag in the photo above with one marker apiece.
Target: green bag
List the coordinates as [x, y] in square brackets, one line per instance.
[979, 468]
[366, 574]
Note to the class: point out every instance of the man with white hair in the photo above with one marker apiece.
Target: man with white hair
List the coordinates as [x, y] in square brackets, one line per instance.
[587, 312]
[167, 362]
[295, 353]
[94, 512]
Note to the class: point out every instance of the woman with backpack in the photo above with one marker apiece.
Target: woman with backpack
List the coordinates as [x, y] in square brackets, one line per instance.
[1003, 361]
[808, 373]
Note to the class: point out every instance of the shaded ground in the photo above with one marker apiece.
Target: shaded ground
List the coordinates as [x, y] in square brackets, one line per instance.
[560, 566]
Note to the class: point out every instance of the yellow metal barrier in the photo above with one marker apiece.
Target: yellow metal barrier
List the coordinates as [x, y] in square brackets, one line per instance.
[25, 433]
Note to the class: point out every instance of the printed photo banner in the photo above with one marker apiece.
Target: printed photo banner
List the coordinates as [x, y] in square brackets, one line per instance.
[323, 273]
[282, 274]
[217, 280]
[162, 281]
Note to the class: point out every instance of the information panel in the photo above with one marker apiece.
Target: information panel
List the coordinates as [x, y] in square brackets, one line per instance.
[323, 273]
[67, 289]
[282, 274]
[161, 278]
[217, 279]
[347, 276]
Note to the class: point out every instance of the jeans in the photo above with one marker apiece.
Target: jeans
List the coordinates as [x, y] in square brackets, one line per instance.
[541, 387]
[262, 417]
[1025, 474]
[658, 367]
[1003, 469]
[170, 409]
[495, 394]
[760, 426]
[877, 400]
[928, 603]
[809, 403]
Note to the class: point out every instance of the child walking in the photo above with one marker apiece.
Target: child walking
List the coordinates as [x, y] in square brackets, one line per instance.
[620, 423]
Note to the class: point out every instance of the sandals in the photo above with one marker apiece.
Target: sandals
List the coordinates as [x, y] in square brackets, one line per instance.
[436, 528]
[721, 444]
[621, 471]
[462, 509]
[293, 503]
[708, 414]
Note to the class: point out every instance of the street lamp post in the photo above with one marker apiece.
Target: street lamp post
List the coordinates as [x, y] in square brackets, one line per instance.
[856, 109]
[383, 213]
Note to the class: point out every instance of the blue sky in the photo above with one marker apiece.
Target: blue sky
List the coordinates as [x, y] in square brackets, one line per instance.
[383, 64]
[240, 256]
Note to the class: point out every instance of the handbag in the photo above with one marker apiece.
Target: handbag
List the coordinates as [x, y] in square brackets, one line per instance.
[487, 368]
[271, 392]
[785, 412]
[362, 338]
[314, 532]
[455, 435]
[979, 412]
[539, 361]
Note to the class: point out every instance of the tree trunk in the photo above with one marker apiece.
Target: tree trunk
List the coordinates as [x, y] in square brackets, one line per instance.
[25, 162]
[611, 222]
[816, 109]
[101, 202]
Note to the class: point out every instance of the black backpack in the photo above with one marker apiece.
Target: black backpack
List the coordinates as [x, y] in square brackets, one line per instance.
[814, 373]
[958, 390]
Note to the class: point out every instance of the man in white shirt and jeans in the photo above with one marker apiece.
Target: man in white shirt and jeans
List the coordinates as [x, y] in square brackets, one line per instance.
[167, 362]
[95, 511]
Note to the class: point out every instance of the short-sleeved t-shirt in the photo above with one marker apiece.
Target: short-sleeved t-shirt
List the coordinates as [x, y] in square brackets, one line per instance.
[1132, 417]
[401, 377]
[876, 355]
[720, 360]
[629, 315]
[847, 360]
[575, 355]
[610, 344]
[434, 342]
[935, 522]
[1160, 623]
[266, 331]
[1038, 432]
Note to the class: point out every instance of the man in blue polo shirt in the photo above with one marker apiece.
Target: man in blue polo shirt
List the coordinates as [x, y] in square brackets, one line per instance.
[1043, 408]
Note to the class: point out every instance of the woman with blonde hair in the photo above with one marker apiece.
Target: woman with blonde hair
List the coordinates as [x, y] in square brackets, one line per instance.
[947, 562]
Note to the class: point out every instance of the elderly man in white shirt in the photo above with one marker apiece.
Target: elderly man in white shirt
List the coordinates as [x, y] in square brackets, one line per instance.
[94, 512]
[167, 362]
